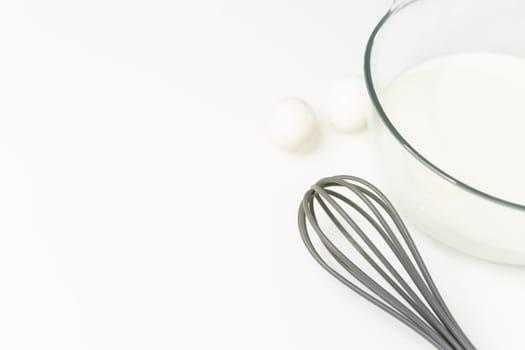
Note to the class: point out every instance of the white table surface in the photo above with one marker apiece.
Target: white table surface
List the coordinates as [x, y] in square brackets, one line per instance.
[142, 206]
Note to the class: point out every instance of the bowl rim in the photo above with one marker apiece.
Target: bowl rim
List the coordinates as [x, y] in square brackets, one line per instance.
[397, 135]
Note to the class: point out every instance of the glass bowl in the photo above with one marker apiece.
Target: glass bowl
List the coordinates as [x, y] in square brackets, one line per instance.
[432, 198]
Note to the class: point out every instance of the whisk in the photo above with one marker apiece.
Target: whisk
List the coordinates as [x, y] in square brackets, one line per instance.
[421, 308]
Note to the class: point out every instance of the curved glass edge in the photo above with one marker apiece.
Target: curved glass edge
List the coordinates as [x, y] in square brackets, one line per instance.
[400, 4]
[404, 143]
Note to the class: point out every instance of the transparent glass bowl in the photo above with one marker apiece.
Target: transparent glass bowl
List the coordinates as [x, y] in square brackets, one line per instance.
[431, 198]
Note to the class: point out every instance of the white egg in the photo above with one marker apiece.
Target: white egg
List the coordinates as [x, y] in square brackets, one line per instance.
[292, 124]
[348, 105]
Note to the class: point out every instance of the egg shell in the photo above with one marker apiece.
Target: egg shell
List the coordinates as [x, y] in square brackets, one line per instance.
[292, 124]
[348, 105]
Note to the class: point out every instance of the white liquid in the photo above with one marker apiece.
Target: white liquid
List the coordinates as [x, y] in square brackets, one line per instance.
[466, 114]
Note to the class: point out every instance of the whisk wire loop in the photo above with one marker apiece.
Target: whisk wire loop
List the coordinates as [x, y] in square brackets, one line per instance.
[403, 289]
[429, 317]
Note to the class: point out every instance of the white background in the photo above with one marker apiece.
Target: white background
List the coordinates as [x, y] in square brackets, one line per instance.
[142, 206]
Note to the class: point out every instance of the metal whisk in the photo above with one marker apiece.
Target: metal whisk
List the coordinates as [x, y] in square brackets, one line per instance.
[421, 308]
